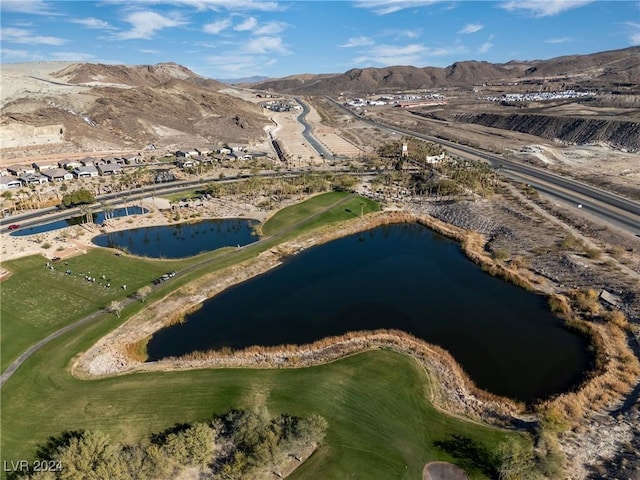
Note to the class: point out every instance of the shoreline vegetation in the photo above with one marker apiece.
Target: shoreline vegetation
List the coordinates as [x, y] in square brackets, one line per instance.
[614, 372]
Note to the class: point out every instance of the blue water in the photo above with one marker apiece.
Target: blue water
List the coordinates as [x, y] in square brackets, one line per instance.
[181, 240]
[403, 277]
[98, 218]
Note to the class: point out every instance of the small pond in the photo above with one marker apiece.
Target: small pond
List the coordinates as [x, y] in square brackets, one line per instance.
[403, 277]
[181, 240]
[97, 217]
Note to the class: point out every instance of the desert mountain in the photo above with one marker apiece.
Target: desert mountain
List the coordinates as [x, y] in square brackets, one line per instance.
[67, 107]
[603, 68]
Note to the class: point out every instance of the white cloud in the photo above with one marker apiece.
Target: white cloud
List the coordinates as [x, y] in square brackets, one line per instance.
[543, 8]
[265, 44]
[33, 7]
[236, 65]
[146, 23]
[92, 22]
[558, 40]
[72, 56]
[149, 51]
[485, 47]
[270, 28]
[358, 42]
[22, 35]
[217, 26]
[384, 7]
[471, 28]
[412, 33]
[235, 5]
[393, 55]
[249, 24]
[634, 37]
[11, 54]
[413, 54]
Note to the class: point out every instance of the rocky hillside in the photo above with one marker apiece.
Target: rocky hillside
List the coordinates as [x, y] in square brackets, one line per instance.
[574, 130]
[92, 106]
[612, 67]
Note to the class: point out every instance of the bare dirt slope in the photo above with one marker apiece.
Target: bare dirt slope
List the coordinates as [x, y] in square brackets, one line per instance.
[58, 107]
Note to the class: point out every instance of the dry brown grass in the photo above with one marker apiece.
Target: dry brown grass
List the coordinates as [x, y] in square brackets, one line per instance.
[586, 300]
[616, 372]
[137, 351]
[450, 386]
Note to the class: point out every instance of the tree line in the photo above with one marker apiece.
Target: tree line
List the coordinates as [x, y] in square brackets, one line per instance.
[229, 446]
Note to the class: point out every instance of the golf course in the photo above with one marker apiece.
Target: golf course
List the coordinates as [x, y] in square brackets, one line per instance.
[381, 423]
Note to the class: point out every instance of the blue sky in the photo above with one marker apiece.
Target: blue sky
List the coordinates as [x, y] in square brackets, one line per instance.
[241, 38]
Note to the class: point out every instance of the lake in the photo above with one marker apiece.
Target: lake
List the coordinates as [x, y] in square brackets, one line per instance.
[403, 277]
[181, 240]
[97, 217]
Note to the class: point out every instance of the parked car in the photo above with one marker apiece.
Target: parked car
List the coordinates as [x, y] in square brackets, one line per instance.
[14, 227]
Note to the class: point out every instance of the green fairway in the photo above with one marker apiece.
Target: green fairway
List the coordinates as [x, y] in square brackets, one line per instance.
[37, 301]
[380, 422]
[289, 216]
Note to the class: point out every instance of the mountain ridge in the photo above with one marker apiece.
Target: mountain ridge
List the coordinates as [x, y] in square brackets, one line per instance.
[622, 66]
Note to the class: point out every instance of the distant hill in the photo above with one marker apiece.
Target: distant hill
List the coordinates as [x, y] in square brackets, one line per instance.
[603, 68]
[96, 106]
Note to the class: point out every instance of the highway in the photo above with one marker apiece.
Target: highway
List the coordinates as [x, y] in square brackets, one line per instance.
[608, 206]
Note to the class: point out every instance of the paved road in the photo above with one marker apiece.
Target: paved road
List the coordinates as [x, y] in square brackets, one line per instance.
[606, 205]
[53, 213]
[307, 132]
[11, 369]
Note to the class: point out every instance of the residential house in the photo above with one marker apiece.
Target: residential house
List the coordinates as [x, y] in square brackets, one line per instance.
[90, 161]
[202, 151]
[69, 164]
[17, 170]
[43, 167]
[58, 174]
[85, 172]
[187, 163]
[186, 153]
[132, 159]
[33, 179]
[7, 183]
[109, 169]
[225, 150]
[113, 161]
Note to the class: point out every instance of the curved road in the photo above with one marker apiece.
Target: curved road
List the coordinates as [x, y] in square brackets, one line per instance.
[11, 369]
[607, 205]
[306, 132]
